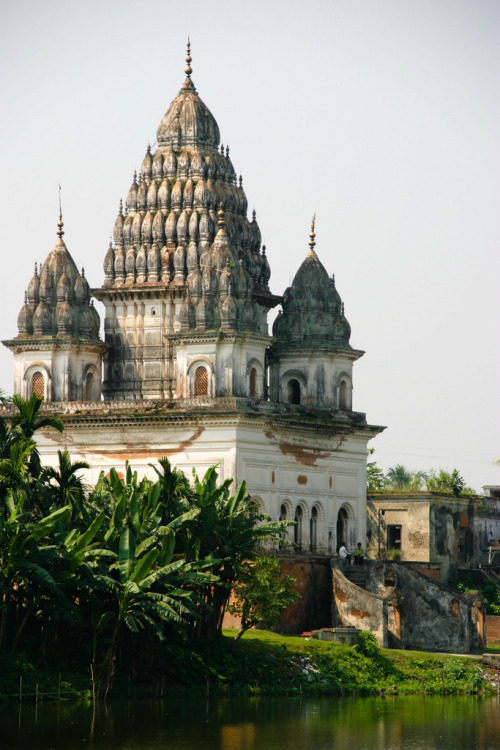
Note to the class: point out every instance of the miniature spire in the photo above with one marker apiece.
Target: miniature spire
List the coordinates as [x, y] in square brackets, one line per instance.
[222, 149]
[312, 240]
[188, 69]
[254, 215]
[120, 210]
[36, 268]
[264, 250]
[227, 152]
[60, 222]
[241, 181]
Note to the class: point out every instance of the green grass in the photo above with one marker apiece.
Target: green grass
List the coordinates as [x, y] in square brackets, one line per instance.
[324, 666]
[261, 662]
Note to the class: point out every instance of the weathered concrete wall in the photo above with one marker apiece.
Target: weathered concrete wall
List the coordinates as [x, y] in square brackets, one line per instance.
[493, 629]
[434, 528]
[406, 609]
[354, 607]
[454, 537]
[432, 616]
[411, 512]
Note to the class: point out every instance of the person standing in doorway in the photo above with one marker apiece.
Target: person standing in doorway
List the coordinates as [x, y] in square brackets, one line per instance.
[359, 555]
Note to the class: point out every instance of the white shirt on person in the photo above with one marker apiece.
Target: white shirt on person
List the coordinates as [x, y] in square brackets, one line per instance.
[343, 552]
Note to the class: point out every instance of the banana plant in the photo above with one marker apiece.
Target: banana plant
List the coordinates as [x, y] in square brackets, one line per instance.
[26, 563]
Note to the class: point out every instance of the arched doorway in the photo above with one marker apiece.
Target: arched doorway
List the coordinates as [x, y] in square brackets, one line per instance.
[293, 391]
[298, 528]
[342, 527]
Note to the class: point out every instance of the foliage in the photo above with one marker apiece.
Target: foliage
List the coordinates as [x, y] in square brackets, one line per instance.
[403, 479]
[112, 572]
[260, 595]
[449, 482]
[375, 479]
[489, 591]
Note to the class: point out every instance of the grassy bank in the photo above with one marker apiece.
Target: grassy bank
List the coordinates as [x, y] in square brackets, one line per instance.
[261, 662]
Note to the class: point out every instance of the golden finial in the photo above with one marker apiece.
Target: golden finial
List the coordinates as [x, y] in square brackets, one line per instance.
[221, 221]
[188, 69]
[60, 222]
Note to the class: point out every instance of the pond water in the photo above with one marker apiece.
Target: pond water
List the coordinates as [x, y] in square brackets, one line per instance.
[256, 723]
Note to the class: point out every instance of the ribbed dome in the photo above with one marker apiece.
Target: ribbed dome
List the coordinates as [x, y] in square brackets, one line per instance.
[313, 313]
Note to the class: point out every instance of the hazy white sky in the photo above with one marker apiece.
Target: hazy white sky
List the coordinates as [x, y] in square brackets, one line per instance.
[380, 115]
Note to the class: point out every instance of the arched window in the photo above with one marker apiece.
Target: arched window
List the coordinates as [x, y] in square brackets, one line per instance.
[313, 528]
[343, 395]
[38, 384]
[298, 528]
[201, 381]
[253, 383]
[293, 391]
[283, 515]
[91, 387]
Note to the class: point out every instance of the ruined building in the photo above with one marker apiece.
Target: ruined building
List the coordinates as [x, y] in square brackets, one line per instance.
[188, 368]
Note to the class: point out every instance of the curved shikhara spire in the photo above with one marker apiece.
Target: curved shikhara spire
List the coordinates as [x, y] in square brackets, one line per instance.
[58, 300]
[167, 233]
[313, 313]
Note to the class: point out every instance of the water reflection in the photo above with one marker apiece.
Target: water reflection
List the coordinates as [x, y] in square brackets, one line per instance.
[256, 723]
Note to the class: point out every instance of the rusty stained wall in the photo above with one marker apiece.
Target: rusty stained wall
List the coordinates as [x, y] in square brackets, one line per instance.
[493, 629]
[313, 609]
[188, 444]
[356, 608]
[313, 581]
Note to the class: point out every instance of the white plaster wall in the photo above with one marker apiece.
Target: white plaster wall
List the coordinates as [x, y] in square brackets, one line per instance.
[304, 470]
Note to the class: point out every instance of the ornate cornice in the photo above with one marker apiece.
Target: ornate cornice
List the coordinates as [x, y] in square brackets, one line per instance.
[292, 353]
[49, 343]
[212, 337]
[213, 412]
[149, 290]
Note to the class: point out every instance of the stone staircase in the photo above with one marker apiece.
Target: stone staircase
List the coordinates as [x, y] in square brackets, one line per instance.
[357, 574]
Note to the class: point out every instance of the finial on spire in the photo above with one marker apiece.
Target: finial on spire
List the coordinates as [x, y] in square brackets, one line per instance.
[227, 152]
[25, 297]
[254, 215]
[221, 220]
[312, 234]
[241, 181]
[120, 210]
[36, 268]
[342, 309]
[60, 222]
[188, 69]
[264, 250]
[222, 149]
[135, 176]
[83, 272]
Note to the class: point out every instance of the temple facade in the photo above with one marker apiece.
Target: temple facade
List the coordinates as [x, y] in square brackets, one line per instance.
[188, 367]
